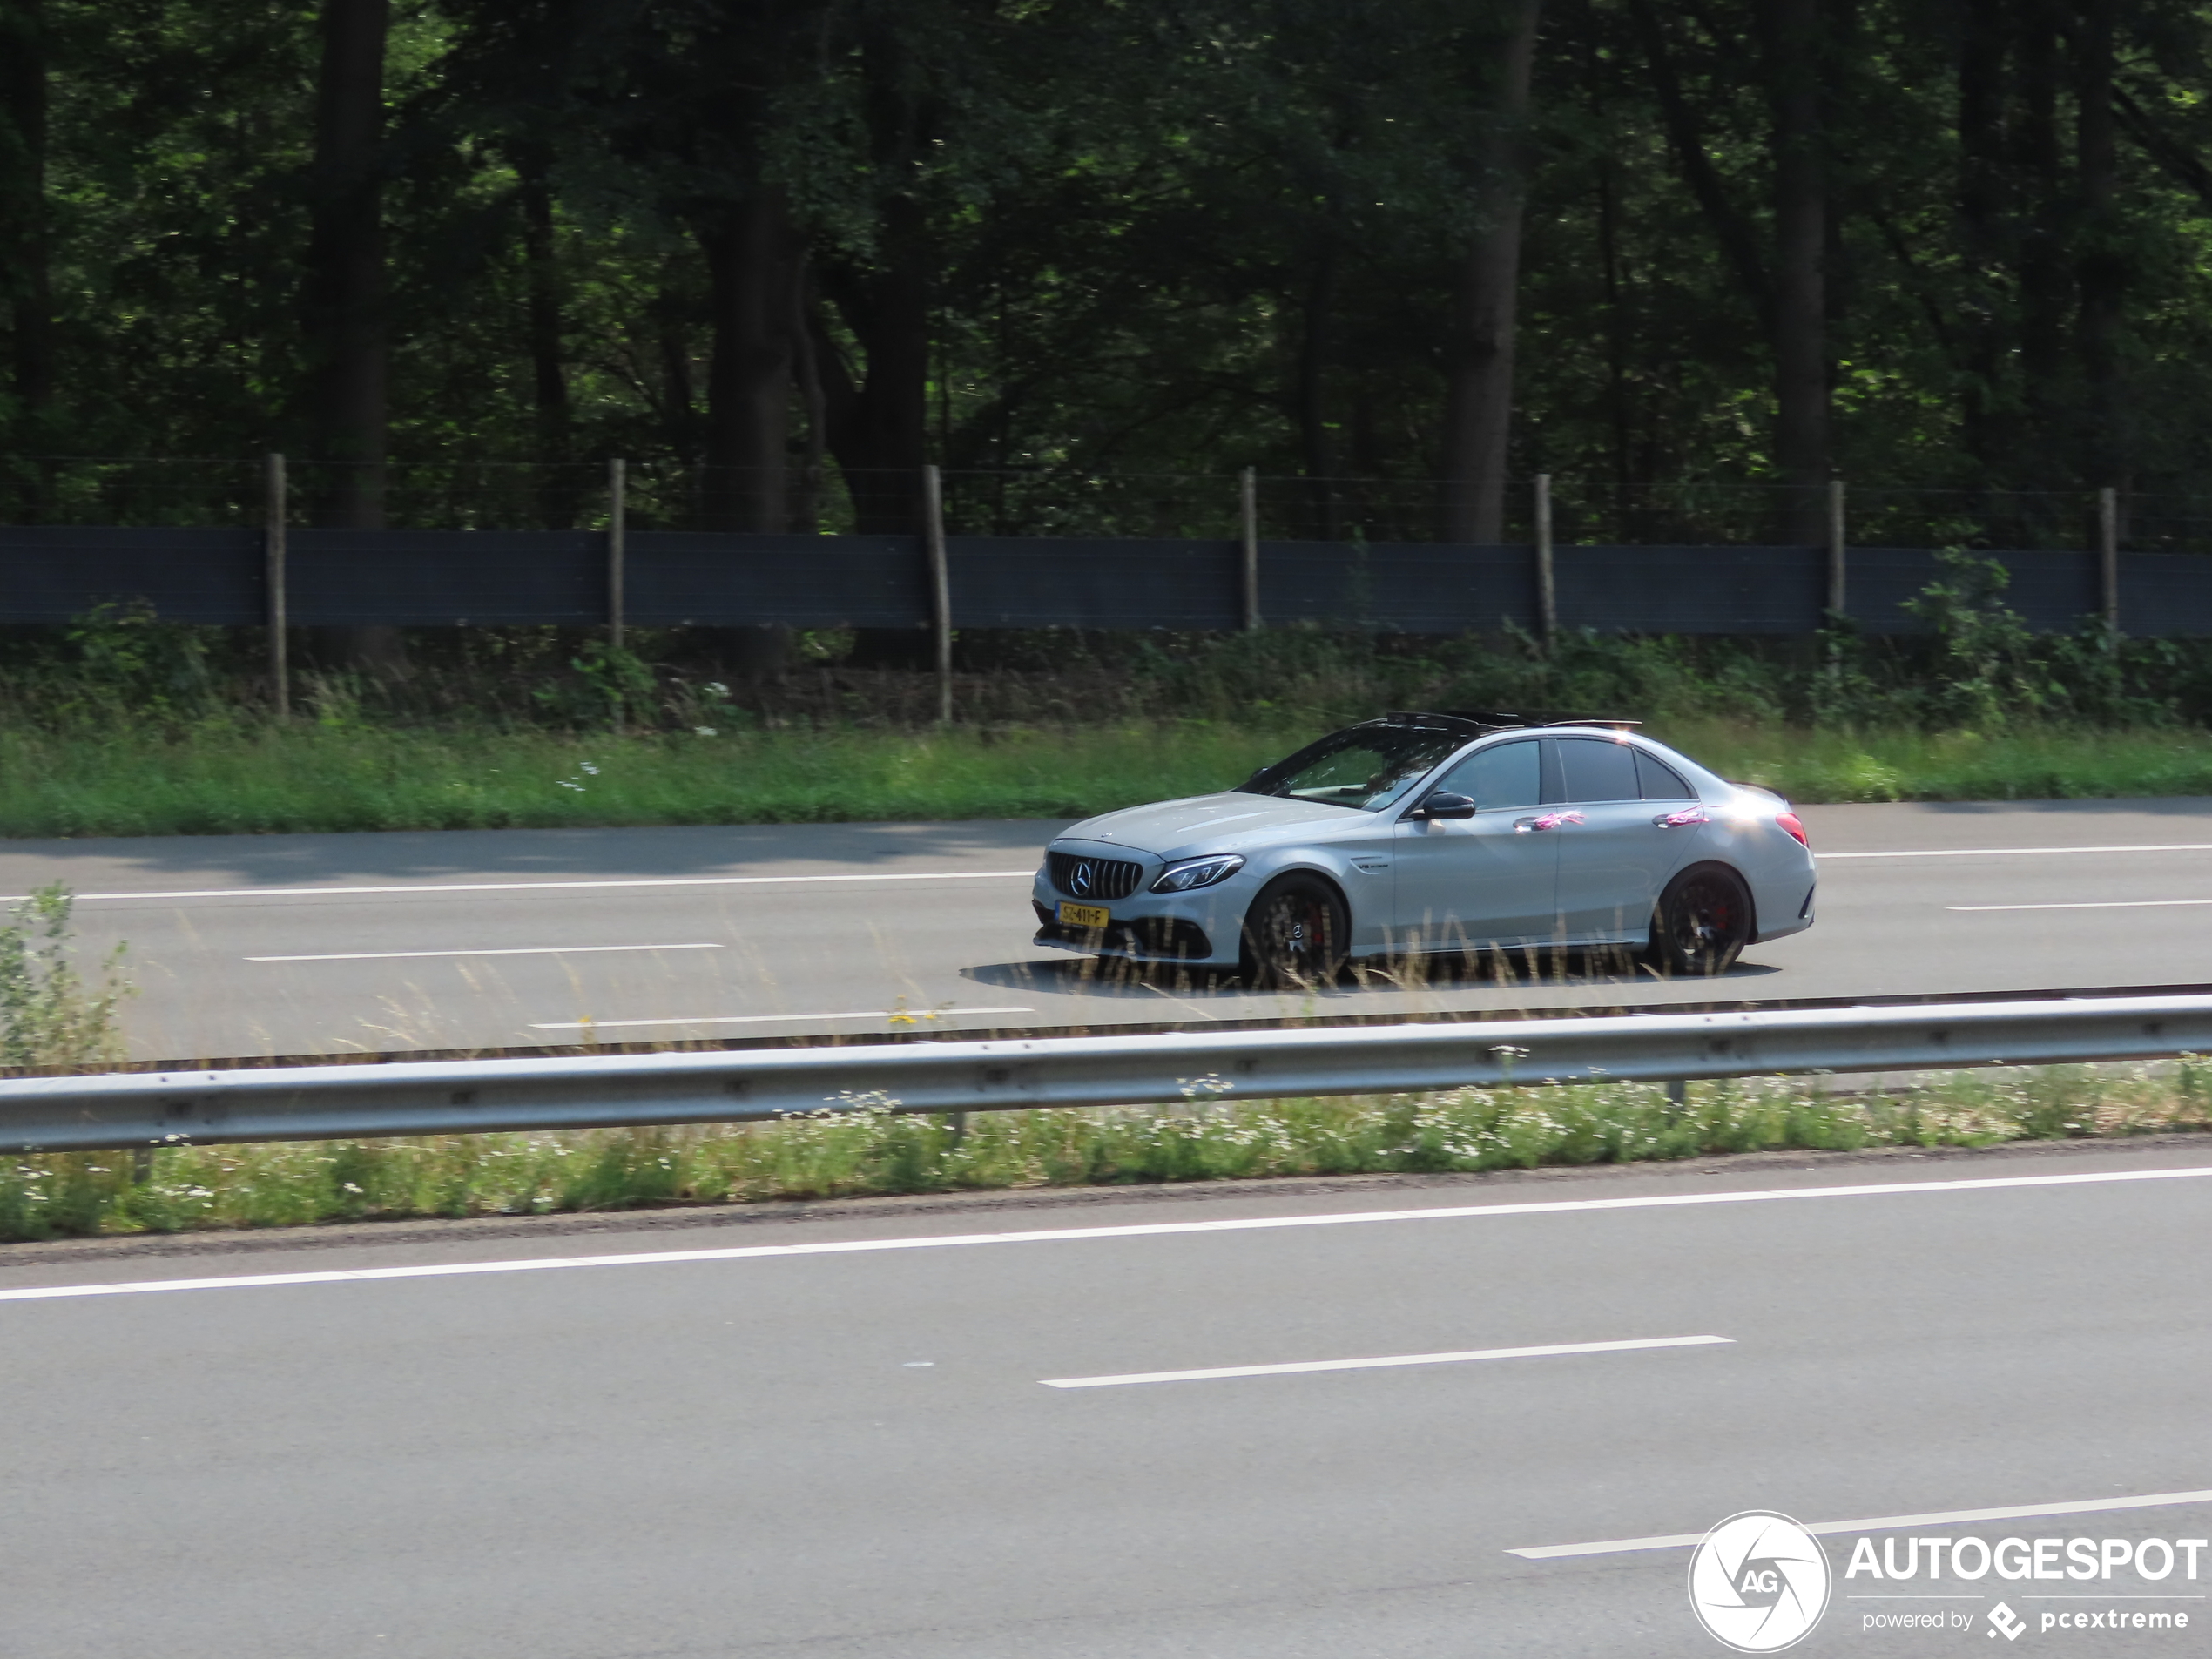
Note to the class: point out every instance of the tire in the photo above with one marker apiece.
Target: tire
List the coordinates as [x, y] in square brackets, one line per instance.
[1298, 932]
[1701, 923]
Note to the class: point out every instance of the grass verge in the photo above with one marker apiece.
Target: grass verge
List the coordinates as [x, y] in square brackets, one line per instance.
[233, 779]
[873, 1151]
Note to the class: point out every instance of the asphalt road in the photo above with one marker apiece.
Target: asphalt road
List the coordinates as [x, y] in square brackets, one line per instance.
[306, 944]
[856, 1449]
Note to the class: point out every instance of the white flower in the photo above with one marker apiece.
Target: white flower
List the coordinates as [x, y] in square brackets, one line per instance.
[706, 731]
[718, 688]
[590, 770]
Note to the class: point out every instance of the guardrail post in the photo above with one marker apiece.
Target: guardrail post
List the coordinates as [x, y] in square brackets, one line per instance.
[941, 589]
[1835, 557]
[1546, 581]
[1249, 524]
[273, 564]
[617, 546]
[2108, 563]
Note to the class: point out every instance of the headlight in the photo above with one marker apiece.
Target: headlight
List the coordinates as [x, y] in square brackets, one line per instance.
[1198, 873]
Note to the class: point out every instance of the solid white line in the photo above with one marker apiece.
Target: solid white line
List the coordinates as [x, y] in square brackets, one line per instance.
[2017, 851]
[501, 950]
[1881, 1523]
[770, 1019]
[1377, 1364]
[552, 886]
[1150, 1229]
[2089, 904]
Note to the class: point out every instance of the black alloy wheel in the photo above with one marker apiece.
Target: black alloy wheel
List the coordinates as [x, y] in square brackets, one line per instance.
[1701, 923]
[1297, 932]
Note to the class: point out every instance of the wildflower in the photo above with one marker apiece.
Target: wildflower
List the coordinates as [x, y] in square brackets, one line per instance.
[591, 771]
[706, 731]
[718, 688]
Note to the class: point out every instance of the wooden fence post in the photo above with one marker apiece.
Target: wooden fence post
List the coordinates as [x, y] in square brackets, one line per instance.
[1835, 566]
[1547, 580]
[2108, 563]
[274, 557]
[941, 589]
[617, 545]
[1249, 524]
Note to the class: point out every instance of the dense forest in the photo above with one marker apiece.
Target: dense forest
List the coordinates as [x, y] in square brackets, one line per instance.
[778, 253]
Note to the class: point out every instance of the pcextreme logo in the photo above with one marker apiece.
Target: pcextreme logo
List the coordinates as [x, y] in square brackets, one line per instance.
[1758, 1582]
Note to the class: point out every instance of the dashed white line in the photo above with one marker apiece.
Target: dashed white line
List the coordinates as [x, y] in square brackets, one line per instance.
[553, 886]
[1057, 1235]
[1880, 1523]
[493, 950]
[2091, 904]
[1387, 1360]
[2016, 852]
[916, 1015]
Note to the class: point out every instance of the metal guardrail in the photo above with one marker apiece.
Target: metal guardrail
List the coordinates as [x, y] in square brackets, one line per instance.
[325, 1103]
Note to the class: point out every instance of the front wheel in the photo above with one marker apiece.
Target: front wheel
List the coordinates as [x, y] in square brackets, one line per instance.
[1701, 924]
[1297, 932]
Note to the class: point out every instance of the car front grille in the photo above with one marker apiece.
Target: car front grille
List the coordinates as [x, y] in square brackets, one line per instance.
[1093, 878]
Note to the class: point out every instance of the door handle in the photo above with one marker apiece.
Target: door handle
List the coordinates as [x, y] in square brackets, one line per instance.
[1545, 821]
[1685, 819]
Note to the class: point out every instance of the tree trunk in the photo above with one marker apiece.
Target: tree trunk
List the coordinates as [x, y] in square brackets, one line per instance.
[881, 440]
[1981, 166]
[2044, 280]
[1790, 29]
[549, 369]
[2102, 270]
[24, 232]
[752, 255]
[1478, 415]
[342, 302]
[1317, 452]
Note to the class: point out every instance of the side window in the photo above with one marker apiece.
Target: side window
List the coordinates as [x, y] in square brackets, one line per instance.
[1596, 770]
[1660, 780]
[1508, 775]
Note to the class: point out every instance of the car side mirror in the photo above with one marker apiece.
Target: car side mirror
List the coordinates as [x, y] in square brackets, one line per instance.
[1441, 805]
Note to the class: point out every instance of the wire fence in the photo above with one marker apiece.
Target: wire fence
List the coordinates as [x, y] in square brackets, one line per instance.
[666, 493]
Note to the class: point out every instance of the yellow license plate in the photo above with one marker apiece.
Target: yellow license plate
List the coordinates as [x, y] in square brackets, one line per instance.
[1084, 915]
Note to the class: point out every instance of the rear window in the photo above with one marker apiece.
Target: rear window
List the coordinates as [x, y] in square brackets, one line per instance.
[1596, 770]
[1660, 780]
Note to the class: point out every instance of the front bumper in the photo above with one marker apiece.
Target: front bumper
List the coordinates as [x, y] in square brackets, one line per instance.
[1203, 927]
[1174, 939]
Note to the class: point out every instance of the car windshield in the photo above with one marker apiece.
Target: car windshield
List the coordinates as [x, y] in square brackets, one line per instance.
[1365, 768]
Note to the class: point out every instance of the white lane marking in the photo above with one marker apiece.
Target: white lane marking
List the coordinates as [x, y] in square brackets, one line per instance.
[499, 950]
[2017, 851]
[2090, 904]
[1377, 1364]
[554, 886]
[1148, 1229]
[1881, 1523]
[768, 1019]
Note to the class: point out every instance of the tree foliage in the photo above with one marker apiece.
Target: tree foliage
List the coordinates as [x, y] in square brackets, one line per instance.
[780, 252]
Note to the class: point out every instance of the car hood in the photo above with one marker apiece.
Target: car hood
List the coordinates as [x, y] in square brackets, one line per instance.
[1199, 824]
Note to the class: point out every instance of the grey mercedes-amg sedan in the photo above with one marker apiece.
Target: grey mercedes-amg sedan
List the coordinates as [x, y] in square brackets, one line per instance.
[1438, 833]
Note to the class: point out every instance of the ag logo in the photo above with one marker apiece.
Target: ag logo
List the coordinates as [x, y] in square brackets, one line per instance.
[1758, 1582]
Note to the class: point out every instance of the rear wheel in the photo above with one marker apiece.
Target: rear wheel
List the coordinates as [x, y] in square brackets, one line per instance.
[1297, 932]
[1701, 923]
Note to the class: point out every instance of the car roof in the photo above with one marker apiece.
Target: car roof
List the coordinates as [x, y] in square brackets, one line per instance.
[1484, 722]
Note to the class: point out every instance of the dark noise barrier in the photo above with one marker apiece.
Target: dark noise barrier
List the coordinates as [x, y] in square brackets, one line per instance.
[498, 577]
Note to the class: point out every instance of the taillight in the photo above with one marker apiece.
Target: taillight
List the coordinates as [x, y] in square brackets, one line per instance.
[1789, 821]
